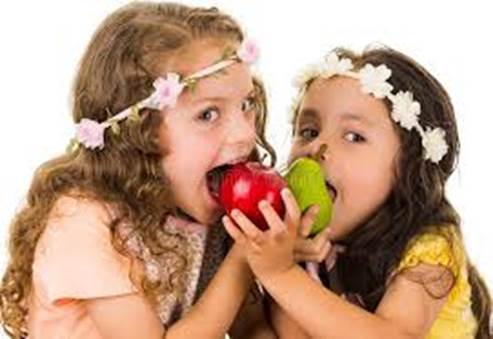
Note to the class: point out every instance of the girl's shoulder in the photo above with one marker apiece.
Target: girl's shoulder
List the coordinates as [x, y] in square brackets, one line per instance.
[437, 246]
[437, 260]
[75, 257]
[76, 207]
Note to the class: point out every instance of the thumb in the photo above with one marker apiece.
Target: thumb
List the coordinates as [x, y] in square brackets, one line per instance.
[308, 219]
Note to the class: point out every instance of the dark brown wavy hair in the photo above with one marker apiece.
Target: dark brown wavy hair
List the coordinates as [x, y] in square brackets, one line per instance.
[116, 71]
[417, 202]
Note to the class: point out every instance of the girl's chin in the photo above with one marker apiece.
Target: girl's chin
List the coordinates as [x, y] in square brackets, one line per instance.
[211, 214]
[210, 219]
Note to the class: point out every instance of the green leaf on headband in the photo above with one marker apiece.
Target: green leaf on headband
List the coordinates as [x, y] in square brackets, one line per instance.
[134, 114]
[192, 85]
[219, 73]
[108, 113]
[115, 128]
[73, 146]
[228, 52]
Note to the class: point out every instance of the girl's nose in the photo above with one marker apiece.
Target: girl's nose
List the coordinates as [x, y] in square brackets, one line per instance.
[240, 130]
[319, 151]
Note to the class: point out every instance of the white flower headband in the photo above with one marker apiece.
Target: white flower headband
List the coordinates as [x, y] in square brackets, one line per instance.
[405, 110]
[90, 133]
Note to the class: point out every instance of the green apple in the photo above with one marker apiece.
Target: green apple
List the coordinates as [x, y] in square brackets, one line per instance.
[306, 180]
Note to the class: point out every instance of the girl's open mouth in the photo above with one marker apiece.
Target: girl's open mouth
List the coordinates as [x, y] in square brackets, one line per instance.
[214, 178]
[332, 191]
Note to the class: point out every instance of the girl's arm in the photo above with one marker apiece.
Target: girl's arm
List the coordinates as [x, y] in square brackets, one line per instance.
[214, 312]
[130, 316]
[251, 321]
[407, 310]
[127, 316]
[256, 319]
[284, 326]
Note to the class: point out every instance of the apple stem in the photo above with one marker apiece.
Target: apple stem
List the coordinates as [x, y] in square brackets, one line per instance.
[320, 152]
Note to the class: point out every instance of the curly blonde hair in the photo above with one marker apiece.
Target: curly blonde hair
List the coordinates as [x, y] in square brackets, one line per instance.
[117, 70]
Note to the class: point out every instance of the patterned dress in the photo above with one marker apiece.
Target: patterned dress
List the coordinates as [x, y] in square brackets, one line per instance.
[207, 250]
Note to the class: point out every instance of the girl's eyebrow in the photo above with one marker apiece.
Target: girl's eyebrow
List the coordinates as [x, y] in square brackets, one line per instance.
[219, 98]
[351, 116]
[309, 114]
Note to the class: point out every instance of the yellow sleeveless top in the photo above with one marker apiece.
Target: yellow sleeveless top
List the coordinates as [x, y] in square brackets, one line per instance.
[444, 247]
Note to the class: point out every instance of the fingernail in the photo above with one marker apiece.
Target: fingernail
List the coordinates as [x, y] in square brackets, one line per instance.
[285, 192]
[262, 204]
[235, 213]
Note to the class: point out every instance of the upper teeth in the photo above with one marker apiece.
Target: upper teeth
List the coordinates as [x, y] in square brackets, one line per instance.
[235, 161]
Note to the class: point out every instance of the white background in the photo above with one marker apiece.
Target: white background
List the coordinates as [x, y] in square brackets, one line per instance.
[42, 41]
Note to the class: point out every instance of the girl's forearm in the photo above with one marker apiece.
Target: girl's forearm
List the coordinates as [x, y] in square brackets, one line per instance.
[321, 313]
[251, 321]
[214, 312]
[284, 327]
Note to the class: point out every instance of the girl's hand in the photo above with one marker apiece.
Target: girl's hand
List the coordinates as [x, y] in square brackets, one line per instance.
[311, 249]
[268, 252]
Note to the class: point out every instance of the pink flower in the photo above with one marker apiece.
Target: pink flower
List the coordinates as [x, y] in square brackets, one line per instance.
[168, 90]
[248, 51]
[90, 133]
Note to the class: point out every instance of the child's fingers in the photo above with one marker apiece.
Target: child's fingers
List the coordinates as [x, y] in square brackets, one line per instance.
[314, 249]
[315, 256]
[313, 245]
[324, 235]
[309, 247]
[249, 229]
[325, 252]
[293, 213]
[232, 230]
[275, 223]
[308, 219]
[321, 241]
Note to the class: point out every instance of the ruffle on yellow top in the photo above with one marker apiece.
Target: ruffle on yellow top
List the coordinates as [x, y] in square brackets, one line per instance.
[444, 247]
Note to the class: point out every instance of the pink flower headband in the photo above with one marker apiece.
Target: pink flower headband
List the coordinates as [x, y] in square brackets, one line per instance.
[90, 133]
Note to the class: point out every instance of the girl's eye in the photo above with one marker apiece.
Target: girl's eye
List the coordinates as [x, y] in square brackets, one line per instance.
[209, 114]
[248, 104]
[308, 133]
[354, 137]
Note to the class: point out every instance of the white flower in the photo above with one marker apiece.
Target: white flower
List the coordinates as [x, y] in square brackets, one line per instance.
[335, 66]
[433, 141]
[326, 69]
[405, 110]
[308, 73]
[374, 80]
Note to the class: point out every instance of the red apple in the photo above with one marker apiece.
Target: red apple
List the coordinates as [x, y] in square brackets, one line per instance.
[244, 185]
